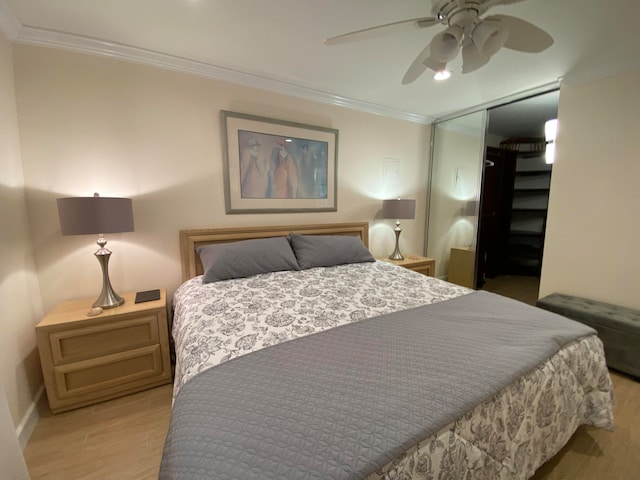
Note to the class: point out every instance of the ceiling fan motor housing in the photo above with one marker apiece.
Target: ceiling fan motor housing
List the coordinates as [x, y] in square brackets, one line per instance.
[457, 12]
[488, 37]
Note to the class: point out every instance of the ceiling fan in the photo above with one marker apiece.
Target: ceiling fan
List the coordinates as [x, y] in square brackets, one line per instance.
[478, 38]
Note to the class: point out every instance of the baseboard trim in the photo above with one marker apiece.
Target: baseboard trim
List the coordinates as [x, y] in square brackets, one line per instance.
[30, 420]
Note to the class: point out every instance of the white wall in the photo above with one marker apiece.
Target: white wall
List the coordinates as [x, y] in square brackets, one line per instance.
[20, 304]
[11, 460]
[94, 124]
[591, 244]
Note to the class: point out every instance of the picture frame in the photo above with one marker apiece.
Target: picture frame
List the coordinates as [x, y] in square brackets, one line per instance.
[276, 166]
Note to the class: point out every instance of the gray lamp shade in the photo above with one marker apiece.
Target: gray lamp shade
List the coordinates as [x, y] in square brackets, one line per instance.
[94, 215]
[470, 208]
[399, 208]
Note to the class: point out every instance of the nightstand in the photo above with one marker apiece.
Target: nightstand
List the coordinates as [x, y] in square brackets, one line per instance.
[87, 359]
[424, 265]
[462, 267]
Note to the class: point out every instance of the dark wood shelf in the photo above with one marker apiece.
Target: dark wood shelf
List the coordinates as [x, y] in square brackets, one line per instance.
[529, 210]
[531, 190]
[525, 233]
[526, 173]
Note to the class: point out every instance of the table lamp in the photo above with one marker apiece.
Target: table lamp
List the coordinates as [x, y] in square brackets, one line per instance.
[398, 209]
[97, 215]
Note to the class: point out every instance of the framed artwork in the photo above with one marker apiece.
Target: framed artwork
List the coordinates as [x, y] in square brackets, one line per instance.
[274, 166]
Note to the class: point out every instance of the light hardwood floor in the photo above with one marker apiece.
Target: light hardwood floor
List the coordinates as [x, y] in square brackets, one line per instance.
[595, 454]
[519, 287]
[122, 439]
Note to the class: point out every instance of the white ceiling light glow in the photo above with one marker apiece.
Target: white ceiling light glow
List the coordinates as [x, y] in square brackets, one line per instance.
[442, 75]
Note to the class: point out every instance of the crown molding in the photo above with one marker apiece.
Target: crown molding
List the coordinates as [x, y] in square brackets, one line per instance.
[539, 90]
[469, 131]
[48, 38]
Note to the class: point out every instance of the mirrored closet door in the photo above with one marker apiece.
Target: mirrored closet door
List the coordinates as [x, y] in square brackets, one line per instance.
[488, 193]
[456, 169]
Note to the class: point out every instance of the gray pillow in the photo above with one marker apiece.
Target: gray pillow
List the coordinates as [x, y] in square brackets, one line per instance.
[328, 250]
[246, 258]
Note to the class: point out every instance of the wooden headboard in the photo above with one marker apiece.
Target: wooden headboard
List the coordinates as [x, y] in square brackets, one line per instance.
[190, 239]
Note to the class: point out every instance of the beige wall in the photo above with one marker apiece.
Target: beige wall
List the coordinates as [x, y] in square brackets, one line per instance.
[90, 124]
[93, 124]
[591, 245]
[20, 305]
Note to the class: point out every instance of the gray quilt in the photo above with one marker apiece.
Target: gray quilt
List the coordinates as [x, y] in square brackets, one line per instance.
[303, 409]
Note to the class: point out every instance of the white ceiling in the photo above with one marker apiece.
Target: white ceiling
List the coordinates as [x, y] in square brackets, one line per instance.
[278, 45]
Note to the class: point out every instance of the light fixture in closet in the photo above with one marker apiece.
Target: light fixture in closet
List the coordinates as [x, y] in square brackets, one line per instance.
[550, 132]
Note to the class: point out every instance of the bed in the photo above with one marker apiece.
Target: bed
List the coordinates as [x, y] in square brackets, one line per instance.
[360, 369]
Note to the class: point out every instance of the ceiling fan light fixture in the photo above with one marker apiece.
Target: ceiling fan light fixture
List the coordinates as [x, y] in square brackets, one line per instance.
[446, 45]
[472, 58]
[489, 36]
[434, 64]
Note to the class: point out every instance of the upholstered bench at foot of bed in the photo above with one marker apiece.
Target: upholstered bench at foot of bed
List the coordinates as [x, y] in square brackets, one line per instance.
[618, 327]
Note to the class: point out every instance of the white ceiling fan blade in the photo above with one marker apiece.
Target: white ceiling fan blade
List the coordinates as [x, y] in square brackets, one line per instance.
[490, 3]
[381, 30]
[423, 61]
[523, 36]
[490, 36]
[417, 68]
[472, 58]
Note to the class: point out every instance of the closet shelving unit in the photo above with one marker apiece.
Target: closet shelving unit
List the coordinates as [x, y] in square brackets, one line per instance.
[528, 214]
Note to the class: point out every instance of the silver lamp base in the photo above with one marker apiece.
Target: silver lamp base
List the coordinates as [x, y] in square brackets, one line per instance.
[396, 255]
[108, 298]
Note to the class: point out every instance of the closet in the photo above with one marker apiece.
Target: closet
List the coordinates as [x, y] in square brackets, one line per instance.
[489, 191]
[527, 219]
[495, 213]
[513, 213]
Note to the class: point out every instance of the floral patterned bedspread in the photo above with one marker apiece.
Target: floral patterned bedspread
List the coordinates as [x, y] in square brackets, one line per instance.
[215, 322]
[507, 437]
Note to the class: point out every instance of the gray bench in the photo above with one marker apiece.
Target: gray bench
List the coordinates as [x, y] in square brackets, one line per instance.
[618, 327]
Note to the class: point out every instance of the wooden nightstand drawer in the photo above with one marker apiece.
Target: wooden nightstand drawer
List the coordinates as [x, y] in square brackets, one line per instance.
[88, 359]
[424, 269]
[103, 339]
[117, 372]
